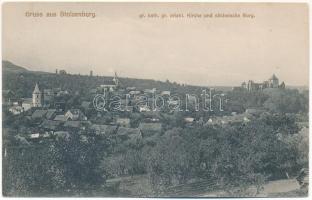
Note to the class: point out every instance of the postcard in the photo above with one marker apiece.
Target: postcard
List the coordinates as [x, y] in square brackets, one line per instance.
[167, 99]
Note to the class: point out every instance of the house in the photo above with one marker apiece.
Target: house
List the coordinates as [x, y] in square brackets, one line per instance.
[7, 97]
[75, 125]
[149, 91]
[27, 103]
[135, 92]
[16, 110]
[60, 105]
[111, 85]
[108, 86]
[75, 114]
[39, 114]
[62, 93]
[34, 136]
[164, 93]
[103, 129]
[130, 88]
[124, 122]
[189, 119]
[144, 108]
[150, 128]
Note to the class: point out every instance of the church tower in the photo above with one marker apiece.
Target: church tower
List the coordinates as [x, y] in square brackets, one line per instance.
[116, 80]
[36, 97]
[273, 82]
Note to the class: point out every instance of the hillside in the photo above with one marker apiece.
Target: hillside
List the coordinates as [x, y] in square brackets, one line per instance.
[7, 66]
[22, 81]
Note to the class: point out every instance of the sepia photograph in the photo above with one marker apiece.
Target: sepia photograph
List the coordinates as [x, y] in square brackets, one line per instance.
[155, 99]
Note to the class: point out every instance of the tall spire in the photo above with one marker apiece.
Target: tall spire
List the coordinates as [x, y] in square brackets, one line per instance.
[274, 77]
[36, 90]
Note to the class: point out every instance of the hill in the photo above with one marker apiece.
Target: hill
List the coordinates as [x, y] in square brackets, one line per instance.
[22, 81]
[10, 67]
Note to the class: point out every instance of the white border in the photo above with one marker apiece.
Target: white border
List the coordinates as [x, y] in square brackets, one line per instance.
[209, 1]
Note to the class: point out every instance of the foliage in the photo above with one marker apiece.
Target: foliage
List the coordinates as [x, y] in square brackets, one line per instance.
[66, 165]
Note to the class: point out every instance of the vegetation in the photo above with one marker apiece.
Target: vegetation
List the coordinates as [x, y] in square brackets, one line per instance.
[270, 146]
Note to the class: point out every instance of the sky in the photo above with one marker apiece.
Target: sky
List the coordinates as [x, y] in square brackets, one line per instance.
[199, 51]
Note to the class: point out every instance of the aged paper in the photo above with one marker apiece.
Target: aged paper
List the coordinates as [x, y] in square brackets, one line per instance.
[155, 99]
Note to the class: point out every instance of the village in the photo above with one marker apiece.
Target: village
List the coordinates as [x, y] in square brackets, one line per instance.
[129, 118]
[53, 120]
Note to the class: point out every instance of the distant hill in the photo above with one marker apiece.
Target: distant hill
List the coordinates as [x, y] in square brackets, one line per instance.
[22, 81]
[10, 67]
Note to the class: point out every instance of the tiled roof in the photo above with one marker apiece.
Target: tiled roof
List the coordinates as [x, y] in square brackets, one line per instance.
[39, 113]
[60, 118]
[50, 113]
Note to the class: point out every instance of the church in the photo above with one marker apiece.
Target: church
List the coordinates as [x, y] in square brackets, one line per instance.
[111, 85]
[37, 97]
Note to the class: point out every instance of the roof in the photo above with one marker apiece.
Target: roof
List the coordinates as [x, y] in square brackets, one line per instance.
[128, 131]
[122, 120]
[21, 139]
[273, 77]
[27, 101]
[254, 111]
[75, 114]
[72, 124]
[131, 88]
[35, 135]
[166, 92]
[50, 113]
[39, 113]
[60, 118]
[50, 124]
[150, 126]
[36, 90]
[74, 111]
[189, 119]
[103, 129]
[135, 92]
[108, 83]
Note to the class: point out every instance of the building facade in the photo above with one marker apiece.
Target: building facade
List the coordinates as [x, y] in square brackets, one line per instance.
[272, 82]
